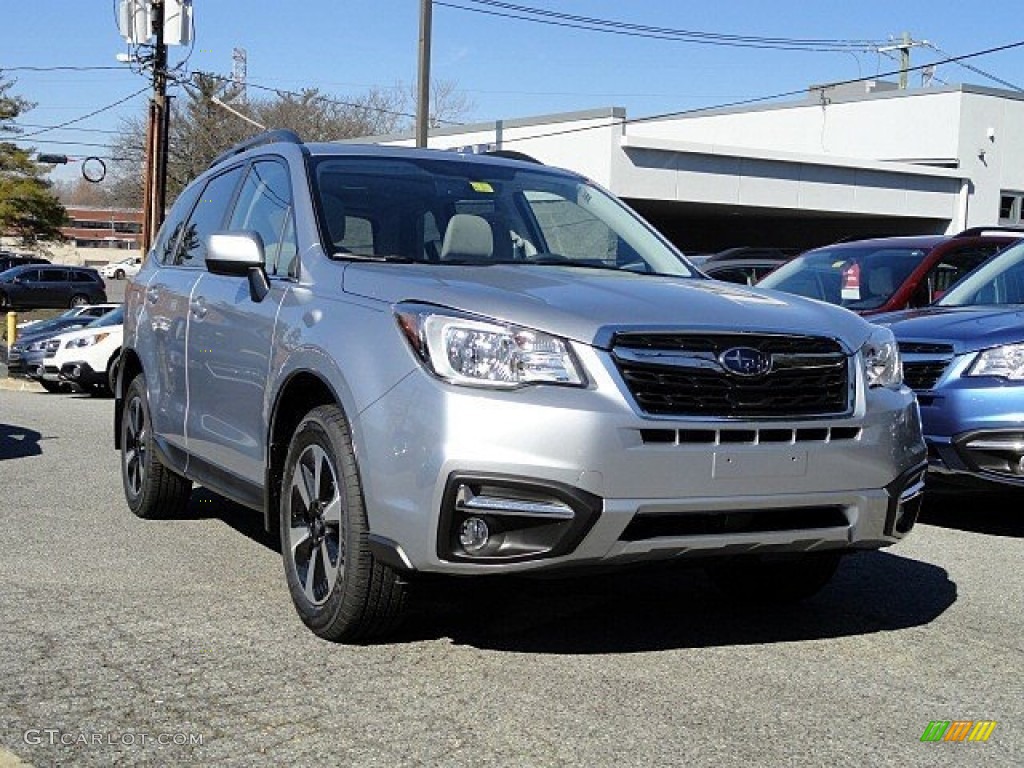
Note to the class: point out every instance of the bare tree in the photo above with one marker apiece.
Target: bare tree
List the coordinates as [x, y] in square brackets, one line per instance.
[201, 129]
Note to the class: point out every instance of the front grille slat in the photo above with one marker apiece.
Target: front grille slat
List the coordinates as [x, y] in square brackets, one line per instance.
[679, 374]
[923, 375]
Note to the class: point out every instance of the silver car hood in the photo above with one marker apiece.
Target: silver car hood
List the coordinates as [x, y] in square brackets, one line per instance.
[587, 305]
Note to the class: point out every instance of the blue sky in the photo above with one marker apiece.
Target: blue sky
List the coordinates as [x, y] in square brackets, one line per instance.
[507, 68]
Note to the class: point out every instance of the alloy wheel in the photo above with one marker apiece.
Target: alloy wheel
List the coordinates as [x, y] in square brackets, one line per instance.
[315, 534]
[135, 435]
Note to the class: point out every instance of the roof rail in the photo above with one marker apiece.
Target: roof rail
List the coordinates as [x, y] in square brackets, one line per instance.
[976, 231]
[511, 154]
[267, 137]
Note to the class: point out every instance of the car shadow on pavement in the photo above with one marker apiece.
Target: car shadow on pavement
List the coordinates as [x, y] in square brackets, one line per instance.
[666, 607]
[640, 609]
[18, 442]
[996, 513]
[205, 505]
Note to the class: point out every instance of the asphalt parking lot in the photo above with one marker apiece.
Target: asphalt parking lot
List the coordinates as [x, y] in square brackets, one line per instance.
[130, 642]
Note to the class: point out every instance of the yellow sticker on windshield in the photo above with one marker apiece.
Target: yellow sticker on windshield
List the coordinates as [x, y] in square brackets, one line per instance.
[837, 264]
[481, 186]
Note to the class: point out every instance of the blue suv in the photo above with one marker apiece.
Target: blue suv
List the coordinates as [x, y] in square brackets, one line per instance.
[964, 357]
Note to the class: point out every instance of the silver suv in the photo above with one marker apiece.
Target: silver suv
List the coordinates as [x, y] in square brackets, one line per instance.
[422, 362]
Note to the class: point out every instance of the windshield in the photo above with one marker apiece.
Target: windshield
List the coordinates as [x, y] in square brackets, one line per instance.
[454, 212]
[999, 281]
[855, 278]
[114, 317]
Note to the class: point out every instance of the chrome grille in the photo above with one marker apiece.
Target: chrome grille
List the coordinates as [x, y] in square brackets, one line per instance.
[681, 375]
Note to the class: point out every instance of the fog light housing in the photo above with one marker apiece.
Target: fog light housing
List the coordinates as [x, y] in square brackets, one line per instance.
[474, 535]
[494, 518]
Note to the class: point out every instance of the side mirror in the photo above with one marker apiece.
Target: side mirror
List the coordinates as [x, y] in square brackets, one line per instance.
[239, 254]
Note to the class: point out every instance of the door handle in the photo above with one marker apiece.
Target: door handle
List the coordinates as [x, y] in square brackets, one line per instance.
[198, 307]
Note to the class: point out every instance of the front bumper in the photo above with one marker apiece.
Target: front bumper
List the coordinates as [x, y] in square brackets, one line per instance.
[975, 432]
[662, 488]
[42, 370]
[82, 374]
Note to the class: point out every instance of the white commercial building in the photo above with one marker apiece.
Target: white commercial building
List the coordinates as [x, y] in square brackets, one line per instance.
[850, 161]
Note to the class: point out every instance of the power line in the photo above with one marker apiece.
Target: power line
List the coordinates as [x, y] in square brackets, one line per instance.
[762, 99]
[40, 125]
[320, 97]
[95, 112]
[60, 69]
[974, 69]
[628, 29]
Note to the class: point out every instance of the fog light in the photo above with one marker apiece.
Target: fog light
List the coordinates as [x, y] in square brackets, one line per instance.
[474, 535]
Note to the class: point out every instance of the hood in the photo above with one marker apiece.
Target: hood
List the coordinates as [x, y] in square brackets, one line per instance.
[967, 328]
[585, 305]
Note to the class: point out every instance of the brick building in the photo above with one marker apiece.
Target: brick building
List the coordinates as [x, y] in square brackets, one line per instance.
[115, 228]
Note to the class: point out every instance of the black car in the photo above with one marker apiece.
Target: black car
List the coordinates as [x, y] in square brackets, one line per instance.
[41, 286]
[8, 260]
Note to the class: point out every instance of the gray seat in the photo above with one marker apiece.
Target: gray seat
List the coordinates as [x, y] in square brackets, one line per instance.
[467, 238]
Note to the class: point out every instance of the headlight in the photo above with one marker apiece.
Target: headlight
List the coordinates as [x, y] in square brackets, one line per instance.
[478, 352]
[88, 341]
[881, 357]
[1007, 362]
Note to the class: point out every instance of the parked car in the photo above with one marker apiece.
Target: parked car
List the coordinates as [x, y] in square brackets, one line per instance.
[746, 265]
[964, 356]
[119, 270]
[31, 337]
[88, 358]
[9, 259]
[82, 311]
[414, 361]
[49, 286]
[889, 273]
[82, 358]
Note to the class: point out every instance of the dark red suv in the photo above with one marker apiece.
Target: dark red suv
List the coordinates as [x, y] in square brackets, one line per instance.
[888, 273]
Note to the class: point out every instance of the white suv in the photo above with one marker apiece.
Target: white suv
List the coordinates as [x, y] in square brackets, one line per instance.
[88, 357]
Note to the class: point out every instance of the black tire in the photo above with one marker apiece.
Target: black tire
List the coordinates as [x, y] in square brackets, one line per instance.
[150, 488]
[355, 598]
[51, 386]
[119, 274]
[112, 367]
[78, 300]
[785, 579]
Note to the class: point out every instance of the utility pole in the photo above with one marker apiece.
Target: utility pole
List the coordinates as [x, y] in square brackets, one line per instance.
[423, 90]
[904, 46]
[904, 60]
[155, 192]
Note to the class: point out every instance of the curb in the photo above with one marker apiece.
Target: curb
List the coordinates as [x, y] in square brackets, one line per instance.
[19, 385]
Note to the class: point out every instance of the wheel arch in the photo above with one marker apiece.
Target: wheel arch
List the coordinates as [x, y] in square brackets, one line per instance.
[131, 366]
[303, 391]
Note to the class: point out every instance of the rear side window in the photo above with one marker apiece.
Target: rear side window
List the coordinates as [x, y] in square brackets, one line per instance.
[78, 276]
[54, 275]
[265, 207]
[207, 217]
